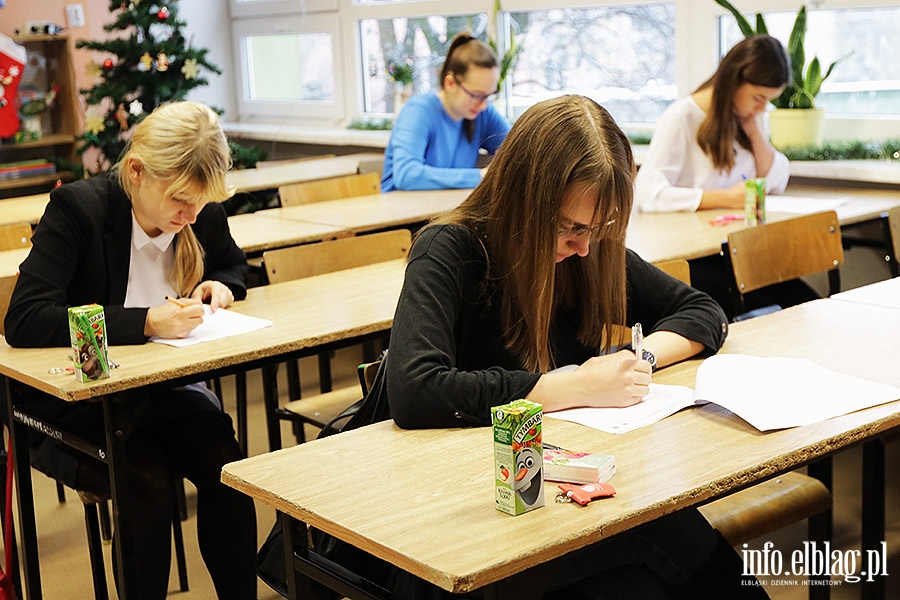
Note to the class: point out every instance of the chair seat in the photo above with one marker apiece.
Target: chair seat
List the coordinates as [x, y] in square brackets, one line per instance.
[767, 507]
[321, 408]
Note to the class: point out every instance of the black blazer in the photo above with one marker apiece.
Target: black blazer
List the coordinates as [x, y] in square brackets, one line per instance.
[81, 253]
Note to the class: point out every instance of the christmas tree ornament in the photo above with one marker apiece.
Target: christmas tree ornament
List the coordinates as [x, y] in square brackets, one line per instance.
[163, 13]
[146, 61]
[108, 64]
[93, 120]
[122, 116]
[12, 62]
[162, 63]
[136, 108]
[190, 69]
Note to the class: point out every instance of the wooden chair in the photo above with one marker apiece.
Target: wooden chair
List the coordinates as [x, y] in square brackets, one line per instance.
[783, 251]
[333, 188]
[15, 235]
[767, 506]
[286, 264]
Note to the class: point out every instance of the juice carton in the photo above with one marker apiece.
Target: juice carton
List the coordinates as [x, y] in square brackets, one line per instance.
[87, 331]
[755, 201]
[518, 456]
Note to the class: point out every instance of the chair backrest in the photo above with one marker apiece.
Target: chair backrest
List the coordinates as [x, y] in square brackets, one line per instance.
[776, 252]
[677, 268]
[14, 236]
[333, 188]
[6, 289]
[286, 264]
[367, 372]
[894, 222]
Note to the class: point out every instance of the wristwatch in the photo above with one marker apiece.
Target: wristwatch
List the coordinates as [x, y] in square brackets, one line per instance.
[648, 356]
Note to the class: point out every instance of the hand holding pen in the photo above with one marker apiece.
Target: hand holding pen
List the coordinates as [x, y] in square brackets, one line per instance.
[174, 318]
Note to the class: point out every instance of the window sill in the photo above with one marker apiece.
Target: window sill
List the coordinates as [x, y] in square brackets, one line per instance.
[324, 136]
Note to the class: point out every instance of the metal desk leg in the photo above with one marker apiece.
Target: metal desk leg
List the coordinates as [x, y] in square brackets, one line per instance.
[819, 526]
[270, 399]
[113, 417]
[873, 515]
[27, 527]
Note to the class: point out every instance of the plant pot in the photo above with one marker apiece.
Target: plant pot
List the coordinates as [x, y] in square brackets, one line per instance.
[797, 126]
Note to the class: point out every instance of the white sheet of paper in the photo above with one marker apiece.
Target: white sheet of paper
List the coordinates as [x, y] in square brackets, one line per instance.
[216, 325]
[801, 206]
[768, 393]
[884, 293]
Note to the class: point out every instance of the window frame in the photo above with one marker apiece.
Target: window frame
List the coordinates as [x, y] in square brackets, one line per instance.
[696, 39]
[248, 109]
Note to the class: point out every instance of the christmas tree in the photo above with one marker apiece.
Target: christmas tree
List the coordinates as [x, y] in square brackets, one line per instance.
[152, 63]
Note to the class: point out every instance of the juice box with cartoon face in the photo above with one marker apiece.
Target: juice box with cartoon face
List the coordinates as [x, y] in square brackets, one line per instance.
[518, 456]
[755, 201]
[87, 332]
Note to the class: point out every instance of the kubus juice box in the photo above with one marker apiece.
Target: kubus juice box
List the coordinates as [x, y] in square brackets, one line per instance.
[87, 331]
[518, 456]
[755, 201]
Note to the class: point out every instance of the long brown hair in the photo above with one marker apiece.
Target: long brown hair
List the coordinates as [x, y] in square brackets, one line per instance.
[464, 52]
[182, 140]
[758, 60]
[516, 212]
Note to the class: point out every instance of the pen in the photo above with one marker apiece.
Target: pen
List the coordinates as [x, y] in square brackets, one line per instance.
[637, 341]
[176, 301]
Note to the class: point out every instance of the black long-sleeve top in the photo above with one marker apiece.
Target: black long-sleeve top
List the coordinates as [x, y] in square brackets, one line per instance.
[81, 254]
[447, 364]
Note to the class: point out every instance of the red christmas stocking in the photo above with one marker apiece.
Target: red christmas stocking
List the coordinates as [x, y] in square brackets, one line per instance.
[12, 61]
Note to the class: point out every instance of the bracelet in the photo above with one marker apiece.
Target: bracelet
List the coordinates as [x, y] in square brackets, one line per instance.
[650, 358]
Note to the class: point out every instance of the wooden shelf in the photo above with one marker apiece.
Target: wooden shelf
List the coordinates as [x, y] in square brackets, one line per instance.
[53, 139]
[36, 180]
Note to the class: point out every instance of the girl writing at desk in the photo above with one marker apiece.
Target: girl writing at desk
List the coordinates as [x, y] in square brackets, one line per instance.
[531, 273]
[437, 136]
[152, 230]
[705, 145]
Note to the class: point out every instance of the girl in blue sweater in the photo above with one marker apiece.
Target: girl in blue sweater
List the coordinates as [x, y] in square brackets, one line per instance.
[436, 138]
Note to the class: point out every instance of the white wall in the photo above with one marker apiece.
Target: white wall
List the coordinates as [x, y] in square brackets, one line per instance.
[209, 26]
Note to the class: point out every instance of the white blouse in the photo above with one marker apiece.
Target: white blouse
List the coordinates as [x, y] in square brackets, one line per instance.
[676, 170]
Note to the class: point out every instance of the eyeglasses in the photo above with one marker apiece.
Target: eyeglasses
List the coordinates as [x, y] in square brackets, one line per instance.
[581, 231]
[477, 98]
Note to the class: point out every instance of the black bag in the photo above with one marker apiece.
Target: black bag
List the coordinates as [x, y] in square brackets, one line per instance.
[270, 560]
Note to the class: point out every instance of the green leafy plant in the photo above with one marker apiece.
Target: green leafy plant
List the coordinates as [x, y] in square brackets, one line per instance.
[400, 70]
[806, 80]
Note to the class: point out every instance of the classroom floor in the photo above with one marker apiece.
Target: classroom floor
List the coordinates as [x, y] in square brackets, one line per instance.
[63, 549]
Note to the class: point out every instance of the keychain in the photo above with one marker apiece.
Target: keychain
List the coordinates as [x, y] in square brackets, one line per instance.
[583, 494]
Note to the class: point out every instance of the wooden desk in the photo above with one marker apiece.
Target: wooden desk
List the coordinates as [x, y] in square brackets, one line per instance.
[11, 259]
[24, 209]
[263, 178]
[308, 315]
[666, 236]
[376, 211]
[440, 524]
[255, 234]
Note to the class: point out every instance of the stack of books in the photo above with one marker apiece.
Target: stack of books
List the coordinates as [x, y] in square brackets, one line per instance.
[26, 168]
[577, 467]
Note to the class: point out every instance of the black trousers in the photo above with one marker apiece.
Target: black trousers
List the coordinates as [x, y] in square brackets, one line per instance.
[173, 434]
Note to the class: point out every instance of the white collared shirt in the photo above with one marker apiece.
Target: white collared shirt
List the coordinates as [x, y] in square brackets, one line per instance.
[152, 261]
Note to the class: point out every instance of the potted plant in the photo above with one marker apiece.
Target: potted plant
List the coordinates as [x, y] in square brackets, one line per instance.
[792, 127]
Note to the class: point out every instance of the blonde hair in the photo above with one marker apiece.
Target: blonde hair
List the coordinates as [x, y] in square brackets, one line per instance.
[515, 211]
[184, 141]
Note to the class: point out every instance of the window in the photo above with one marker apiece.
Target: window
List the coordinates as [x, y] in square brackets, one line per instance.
[866, 81]
[288, 66]
[622, 56]
[421, 42]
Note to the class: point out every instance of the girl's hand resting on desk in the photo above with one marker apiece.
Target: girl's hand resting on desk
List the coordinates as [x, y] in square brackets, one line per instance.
[174, 320]
[730, 197]
[615, 380]
[214, 293]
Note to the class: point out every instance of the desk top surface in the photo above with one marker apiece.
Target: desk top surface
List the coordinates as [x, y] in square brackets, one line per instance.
[254, 233]
[24, 209]
[375, 211]
[270, 177]
[11, 259]
[413, 488]
[306, 314]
